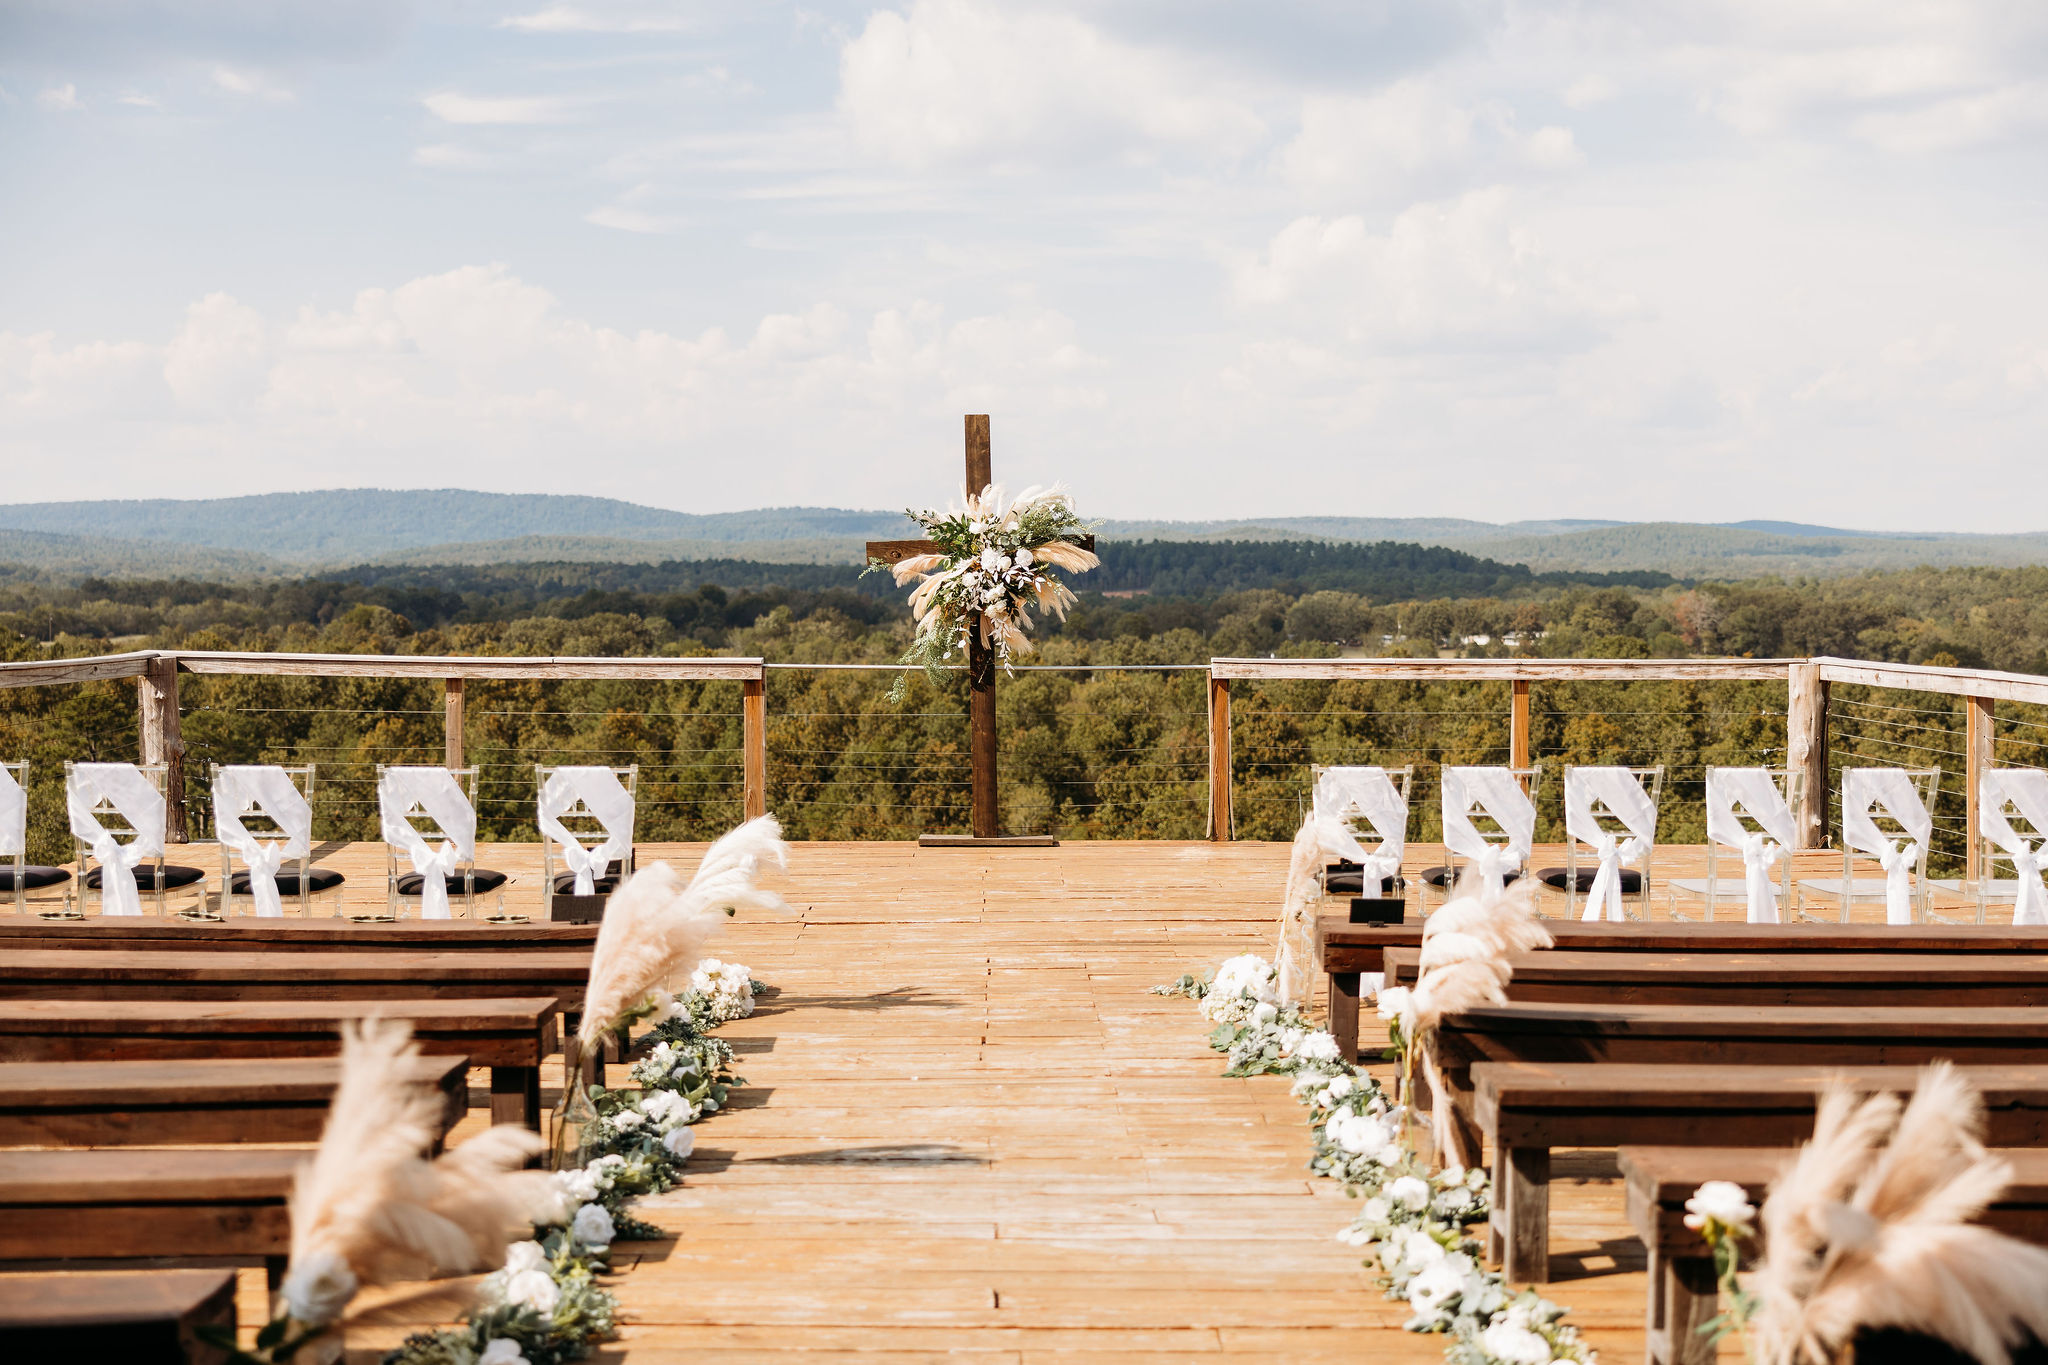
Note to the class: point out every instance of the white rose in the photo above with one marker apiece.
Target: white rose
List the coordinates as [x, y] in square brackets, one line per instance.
[580, 1185]
[524, 1256]
[1514, 1345]
[1410, 1192]
[1395, 1002]
[992, 560]
[502, 1351]
[1022, 559]
[1264, 1014]
[627, 1119]
[533, 1289]
[1320, 1047]
[1724, 1201]
[1451, 1175]
[680, 1142]
[592, 1226]
[1435, 1286]
[317, 1288]
[1341, 1087]
[665, 1108]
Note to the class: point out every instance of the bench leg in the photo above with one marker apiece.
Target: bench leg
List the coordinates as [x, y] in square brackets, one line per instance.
[515, 1095]
[1683, 1297]
[274, 1268]
[1344, 1013]
[1525, 1171]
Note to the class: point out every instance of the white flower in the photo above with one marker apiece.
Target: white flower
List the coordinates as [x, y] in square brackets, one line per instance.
[1341, 1087]
[1723, 1202]
[502, 1351]
[1514, 1344]
[666, 1109]
[317, 1288]
[580, 1185]
[1265, 1014]
[1022, 559]
[680, 1142]
[1375, 1210]
[1290, 1039]
[534, 1289]
[992, 560]
[1410, 1192]
[523, 1256]
[1434, 1287]
[1357, 1133]
[592, 1226]
[1396, 1002]
[1320, 1046]
[627, 1119]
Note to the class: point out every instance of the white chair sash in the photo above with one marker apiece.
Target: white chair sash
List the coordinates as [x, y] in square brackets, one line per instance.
[13, 816]
[2026, 789]
[242, 789]
[435, 791]
[1367, 793]
[1622, 792]
[1497, 792]
[1732, 793]
[1891, 790]
[608, 800]
[133, 793]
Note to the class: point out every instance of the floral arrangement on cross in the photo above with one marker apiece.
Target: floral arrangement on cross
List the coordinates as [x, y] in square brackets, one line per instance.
[989, 567]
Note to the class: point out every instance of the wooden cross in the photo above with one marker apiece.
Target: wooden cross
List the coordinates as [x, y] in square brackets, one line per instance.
[981, 666]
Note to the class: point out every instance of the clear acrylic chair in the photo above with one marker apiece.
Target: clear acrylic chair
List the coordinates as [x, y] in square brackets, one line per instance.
[1489, 828]
[298, 879]
[2013, 803]
[1403, 780]
[403, 884]
[1791, 786]
[19, 877]
[1926, 785]
[585, 824]
[1576, 882]
[155, 876]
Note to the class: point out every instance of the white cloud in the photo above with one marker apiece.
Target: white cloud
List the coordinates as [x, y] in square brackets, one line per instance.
[60, 99]
[625, 219]
[955, 80]
[1459, 275]
[1588, 91]
[452, 107]
[135, 100]
[220, 355]
[448, 156]
[583, 19]
[1412, 139]
[251, 85]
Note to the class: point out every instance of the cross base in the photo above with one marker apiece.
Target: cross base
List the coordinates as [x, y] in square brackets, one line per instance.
[1000, 841]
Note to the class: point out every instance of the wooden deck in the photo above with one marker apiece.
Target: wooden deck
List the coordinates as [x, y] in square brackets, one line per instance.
[971, 1132]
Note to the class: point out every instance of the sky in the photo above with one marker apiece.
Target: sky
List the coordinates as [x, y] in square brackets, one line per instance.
[1634, 259]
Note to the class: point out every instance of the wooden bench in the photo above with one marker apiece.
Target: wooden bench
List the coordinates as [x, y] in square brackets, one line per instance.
[1348, 949]
[194, 1102]
[511, 1036]
[120, 974]
[1733, 1035]
[1710, 980]
[325, 935]
[224, 1205]
[135, 1317]
[1523, 1109]
[1682, 1286]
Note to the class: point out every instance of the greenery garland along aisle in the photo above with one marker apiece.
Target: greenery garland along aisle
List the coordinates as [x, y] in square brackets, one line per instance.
[1415, 1217]
[546, 1306]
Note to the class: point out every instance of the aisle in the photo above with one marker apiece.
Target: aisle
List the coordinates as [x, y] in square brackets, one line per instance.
[970, 1132]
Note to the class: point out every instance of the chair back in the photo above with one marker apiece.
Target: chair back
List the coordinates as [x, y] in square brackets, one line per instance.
[14, 811]
[587, 813]
[2012, 823]
[415, 806]
[105, 801]
[276, 795]
[1374, 797]
[1746, 801]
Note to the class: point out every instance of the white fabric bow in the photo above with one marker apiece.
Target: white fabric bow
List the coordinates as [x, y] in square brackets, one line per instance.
[1893, 791]
[1497, 792]
[13, 816]
[242, 789]
[133, 793]
[1732, 793]
[1621, 791]
[435, 791]
[1368, 793]
[2027, 790]
[608, 800]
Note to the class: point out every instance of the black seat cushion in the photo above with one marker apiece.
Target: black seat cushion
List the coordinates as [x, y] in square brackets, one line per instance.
[318, 880]
[1631, 880]
[565, 884]
[486, 880]
[32, 878]
[174, 877]
[1441, 876]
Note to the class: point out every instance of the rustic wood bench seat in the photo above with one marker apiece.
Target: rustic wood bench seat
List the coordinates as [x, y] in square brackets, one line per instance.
[1710, 980]
[1348, 949]
[511, 1036]
[1682, 1287]
[121, 974]
[225, 1205]
[1732, 1035]
[324, 935]
[190, 1102]
[136, 1317]
[1523, 1109]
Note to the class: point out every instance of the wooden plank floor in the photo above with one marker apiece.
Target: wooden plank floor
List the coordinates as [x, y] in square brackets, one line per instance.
[970, 1132]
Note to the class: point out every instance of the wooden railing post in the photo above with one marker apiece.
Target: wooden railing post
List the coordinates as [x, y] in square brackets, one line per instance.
[1518, 726]
[754, 745]
[1220, 821]
[1979, 714]
[156, 696]
[1806, 749]
[452, 724]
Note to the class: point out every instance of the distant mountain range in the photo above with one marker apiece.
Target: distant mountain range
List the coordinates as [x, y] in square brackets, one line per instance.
[297, 533]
